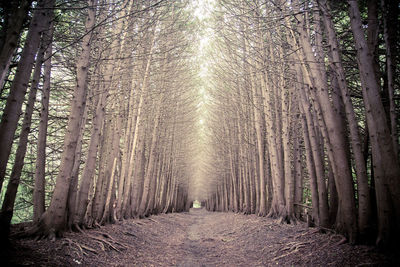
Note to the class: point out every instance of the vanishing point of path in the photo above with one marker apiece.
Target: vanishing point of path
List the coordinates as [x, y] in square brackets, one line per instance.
[197, 238]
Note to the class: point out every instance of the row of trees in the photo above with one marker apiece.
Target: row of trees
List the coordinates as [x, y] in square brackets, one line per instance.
[304, 113]
[116, 81]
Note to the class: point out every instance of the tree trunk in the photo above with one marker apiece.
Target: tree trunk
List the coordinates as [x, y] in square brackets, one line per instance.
[386, 165]
[391, 64]
[258, 121]
[364, 202]
[11, 113]
[90, 166]
[298, 173]
[346, 222]
[73, 188]
[11, 192]
[39, 189]
[15, 14]
[53, 220]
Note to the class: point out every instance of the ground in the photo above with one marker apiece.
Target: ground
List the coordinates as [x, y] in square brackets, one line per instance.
[197, 238]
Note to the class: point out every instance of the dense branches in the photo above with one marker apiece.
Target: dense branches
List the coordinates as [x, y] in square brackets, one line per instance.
[279, 67]
[128, 137]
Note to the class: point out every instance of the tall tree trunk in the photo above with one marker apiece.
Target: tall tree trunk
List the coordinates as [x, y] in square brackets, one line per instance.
[310, 166]
[386, 165]
[145, 202]
[53, 220]
[346, 222]
[39, 189]
[258, 121]
[90, 166]
[11, 113]
[143, 95]
[15, 14]
[73, 188]
[286, 99]
[11, 192]
[364, 201]
[389, 9]
[298, 173]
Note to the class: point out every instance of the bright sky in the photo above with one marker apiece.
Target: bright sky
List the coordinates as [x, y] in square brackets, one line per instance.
[202, 11]
[202, 8]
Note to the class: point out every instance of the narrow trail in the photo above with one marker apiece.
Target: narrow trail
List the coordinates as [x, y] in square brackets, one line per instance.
[207, 244]
[197, 238]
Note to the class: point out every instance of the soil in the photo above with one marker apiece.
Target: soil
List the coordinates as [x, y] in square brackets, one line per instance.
[197, 238]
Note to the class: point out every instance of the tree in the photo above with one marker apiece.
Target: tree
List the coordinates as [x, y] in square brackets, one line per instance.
[9, 120]
[53, 221]
[386, 165]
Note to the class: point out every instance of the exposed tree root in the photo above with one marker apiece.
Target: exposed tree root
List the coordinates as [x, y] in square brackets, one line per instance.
[150, 219]
[103, 248]
[26, 233]
[282, 215]
[105, 242]
[103, 234]
[101, 239]
[293, 247]
[262, 214]
[80, 247]
[95, 224]
[336, 235]
[324, 230]
[39, 231]
[128, 233]
[89, 249]
[342, 241]
[113, 240]
[77, 228]
[287, 219]
[307, 233]
[137, 223]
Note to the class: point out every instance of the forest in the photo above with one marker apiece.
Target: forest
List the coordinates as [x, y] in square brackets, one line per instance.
[113, 110]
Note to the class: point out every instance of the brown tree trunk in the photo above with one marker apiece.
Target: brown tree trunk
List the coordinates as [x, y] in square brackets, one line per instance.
[11, 113]
[15, 13]
[364, 202]
[11, 192]
[346, 221]
[53, 220]
[73, 188]
[390, 9]
[386, 165]
[90, 166]
[39, 189]
[258, 121]
[298, 173]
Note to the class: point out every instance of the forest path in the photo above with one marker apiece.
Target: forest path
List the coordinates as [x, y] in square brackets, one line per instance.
[196, 238]
[208, 241]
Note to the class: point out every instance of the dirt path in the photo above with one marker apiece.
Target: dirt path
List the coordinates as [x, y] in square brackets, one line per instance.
[198, 238]
[206, 244]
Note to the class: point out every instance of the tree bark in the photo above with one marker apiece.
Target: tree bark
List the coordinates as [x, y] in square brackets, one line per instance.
[53, 221]
[11, 192]
[11, 113]
[364, 202]
[39, 189]
[391, 66]
[16, 13]
[346, 221]
[386, 165]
